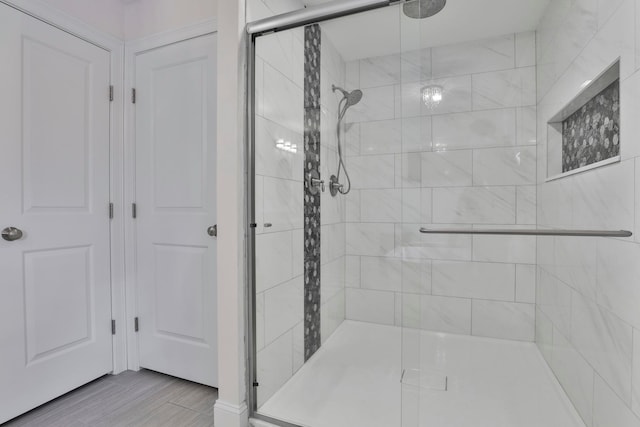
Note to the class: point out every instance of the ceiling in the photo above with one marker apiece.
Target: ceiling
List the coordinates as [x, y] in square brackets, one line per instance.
[386, 31]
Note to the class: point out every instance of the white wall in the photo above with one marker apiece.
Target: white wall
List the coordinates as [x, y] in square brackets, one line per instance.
[588, 292]
[145, 17]
[469, 162]
[104, 15]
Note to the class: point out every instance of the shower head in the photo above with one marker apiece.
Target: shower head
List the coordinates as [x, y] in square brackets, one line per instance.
[352, 97]
[420, 9]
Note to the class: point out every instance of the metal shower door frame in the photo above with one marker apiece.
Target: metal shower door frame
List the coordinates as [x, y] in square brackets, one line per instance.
[299, 18]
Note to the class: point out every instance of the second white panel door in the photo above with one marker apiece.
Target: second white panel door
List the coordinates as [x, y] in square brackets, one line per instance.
[176, 204]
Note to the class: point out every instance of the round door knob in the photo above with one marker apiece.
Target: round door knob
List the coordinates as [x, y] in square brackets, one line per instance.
[11, 233]
[213, 230]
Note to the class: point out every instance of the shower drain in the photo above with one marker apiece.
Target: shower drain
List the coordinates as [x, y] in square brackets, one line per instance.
[428, 380]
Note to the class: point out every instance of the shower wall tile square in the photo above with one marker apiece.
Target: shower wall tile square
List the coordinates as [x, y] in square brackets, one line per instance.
[526, 283]
[332, 274]
[274, 366]
[352, 271]
[381, 137]
[576, 375]
[298, 346]
[618, 273]
[497, 53]
[479, 129]
[283, 204]
[280, 55]
[333, 314]
[416, 65]
[502, 89]
[416, 205]
[604, 341]
[352, 76]
[553, 298]
[353, 206]
[380, 71]
[381, 273]
[370, 239]
[604, 198]
[297, 249]
[381, 205]
[608, 409]
[447, 169]
[282, 101]
[409, 170]
[416, 134]
[352, 139]
[416, 276]
[507, 320]
[575, 265]
[526, 49]
[526, 204]
[526, 132]
[474, 280]
[333, 242]
[435, 313]
[504, 166]
[474, 205]
[274, 265]
[377, 104]
[370, 306]
[506, 249]
[271, 161]
[544, 335]
[374, 172]
[282, 308]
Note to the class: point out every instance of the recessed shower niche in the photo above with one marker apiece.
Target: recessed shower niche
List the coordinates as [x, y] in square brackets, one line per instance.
[585, 134]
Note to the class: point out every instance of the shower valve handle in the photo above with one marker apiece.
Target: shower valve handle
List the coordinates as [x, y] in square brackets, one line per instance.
[318, 183]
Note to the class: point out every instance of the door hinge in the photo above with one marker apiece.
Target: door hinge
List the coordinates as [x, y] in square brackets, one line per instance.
[110, 210]
[256, 384]
[136, 324]
[111, 93]
[133, 95]
[113, 326]
[134, 210]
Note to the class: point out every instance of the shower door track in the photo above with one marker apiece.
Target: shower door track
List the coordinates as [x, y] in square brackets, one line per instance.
[523, 232]
[314, 14]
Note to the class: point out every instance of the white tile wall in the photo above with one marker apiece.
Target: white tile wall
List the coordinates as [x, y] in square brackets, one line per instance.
[478, 129]
[500, 89]
[494, 281]
[279, 201]
[507, 320]
[370, 306]
[594, 351]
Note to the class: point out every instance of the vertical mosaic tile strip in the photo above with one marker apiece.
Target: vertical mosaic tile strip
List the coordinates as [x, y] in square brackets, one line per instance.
[311, 201]
[592, 134]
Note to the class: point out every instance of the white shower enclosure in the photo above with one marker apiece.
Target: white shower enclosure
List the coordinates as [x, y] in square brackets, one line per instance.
[356, 317]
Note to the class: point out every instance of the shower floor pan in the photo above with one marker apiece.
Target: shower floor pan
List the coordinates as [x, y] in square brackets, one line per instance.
[356, 380]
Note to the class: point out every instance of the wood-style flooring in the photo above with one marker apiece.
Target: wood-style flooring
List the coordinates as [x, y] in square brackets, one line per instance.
[130, 399]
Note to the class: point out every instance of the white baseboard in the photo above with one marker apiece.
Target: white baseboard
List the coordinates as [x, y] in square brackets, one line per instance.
[259, 423]
[229, 415]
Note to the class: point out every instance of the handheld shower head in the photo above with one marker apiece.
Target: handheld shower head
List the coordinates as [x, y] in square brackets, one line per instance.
[352, 98]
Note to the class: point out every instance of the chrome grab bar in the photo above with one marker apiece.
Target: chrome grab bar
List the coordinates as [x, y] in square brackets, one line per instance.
[516, 232]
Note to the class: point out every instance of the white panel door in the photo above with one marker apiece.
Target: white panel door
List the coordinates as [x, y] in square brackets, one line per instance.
[175, 196]
[55, 292]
